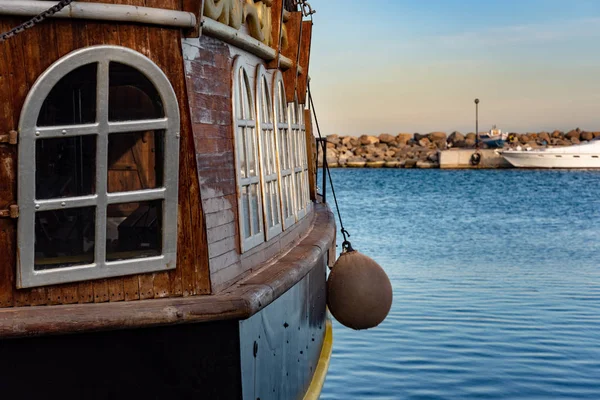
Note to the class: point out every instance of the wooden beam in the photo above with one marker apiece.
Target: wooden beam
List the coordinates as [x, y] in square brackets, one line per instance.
[304, 60]
[310, 155]
[195, 7]
[290, 77]
[276, 31]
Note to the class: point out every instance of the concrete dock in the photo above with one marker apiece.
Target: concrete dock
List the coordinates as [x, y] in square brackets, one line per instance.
[461, 159]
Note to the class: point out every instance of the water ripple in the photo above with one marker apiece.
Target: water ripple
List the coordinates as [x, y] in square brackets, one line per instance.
[496, 285]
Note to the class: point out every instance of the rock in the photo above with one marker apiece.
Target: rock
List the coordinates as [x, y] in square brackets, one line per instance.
[375, 156]
[586, 135]
[573, 134]
[344, 157]
[441, 144]
[460, 144]
[455, 137]
[386, 138]
[381, 146]
[347, 140]
[471, 136]
[330, 145]
[524, 139]
[332, 157]
[433, 157]
[544, 136]
[575, 140]
[418, 136]
[469, 142]
[392, 164]
[403, 138]
[356, 164]
[425, 164]
[424, 142]
[335, 139]
[434, 136]
[359, 151]
[558, 134]
[390, 153]
[410, 163]
[367, 140]
[533, 144]
[375, 164]
[596, 134]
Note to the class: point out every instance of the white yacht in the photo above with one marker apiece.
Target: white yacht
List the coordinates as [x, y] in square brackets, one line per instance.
[584, 155]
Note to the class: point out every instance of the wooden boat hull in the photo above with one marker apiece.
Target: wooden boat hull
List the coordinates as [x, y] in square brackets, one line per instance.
[271, 355]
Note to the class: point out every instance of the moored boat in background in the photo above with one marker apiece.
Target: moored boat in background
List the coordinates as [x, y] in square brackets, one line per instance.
[584, 155]
[494, 139]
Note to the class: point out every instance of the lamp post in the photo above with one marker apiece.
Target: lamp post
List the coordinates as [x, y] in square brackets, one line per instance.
[477, 123]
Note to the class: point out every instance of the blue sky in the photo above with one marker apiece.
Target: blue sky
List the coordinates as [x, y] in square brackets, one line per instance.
[416, 66]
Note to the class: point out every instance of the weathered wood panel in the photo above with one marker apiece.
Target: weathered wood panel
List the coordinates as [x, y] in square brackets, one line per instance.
[304, 60]
[7, 176]
[276, 31]
[21, 62]
[310, 155]
[290, 77]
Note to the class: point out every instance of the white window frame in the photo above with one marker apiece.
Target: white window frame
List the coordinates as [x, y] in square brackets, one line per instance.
[268, 155]
[284, 153]
[244, 125]
[298, 157]
[29, 132]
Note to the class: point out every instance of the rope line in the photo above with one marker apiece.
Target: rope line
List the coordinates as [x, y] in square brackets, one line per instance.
[346, 244]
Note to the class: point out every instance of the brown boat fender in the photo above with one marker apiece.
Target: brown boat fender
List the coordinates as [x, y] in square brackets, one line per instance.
[359, 292]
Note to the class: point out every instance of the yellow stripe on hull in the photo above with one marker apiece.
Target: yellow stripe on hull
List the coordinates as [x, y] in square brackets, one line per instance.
[316, 385]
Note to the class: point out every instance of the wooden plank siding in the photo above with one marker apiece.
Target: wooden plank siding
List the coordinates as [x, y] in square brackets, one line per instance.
[304, 60]
[22, 59]
[209, 64]
[290, 77]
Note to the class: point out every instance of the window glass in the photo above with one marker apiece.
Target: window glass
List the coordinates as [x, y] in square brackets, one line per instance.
[131, 95]
[134, 230]
[64, 238]
[135, 161]
[245, 217]
[254, 203]
[72, 100]
[65, 167]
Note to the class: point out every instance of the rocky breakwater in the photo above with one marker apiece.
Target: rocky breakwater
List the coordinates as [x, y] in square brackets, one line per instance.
[405, 150]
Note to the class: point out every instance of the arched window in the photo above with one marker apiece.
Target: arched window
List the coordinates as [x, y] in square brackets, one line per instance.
[268, 147]
[247, 161]
[284, 141]
[98, 169]
[300, 165]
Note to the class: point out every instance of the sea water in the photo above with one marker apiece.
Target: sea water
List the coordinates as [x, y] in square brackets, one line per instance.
[496, 280]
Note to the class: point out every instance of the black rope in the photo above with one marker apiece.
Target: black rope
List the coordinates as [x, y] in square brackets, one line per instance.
[346, 246]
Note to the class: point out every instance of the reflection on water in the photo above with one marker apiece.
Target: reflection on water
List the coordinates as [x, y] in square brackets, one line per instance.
[496, 278]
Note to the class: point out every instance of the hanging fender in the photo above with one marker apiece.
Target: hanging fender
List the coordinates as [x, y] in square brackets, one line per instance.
[475, 158]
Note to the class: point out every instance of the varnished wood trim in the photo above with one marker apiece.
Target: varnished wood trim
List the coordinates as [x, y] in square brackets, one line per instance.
[102, 12]
[239, 302]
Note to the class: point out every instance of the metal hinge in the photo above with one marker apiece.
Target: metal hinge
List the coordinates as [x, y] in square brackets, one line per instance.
[12, 137]
[11, 212]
